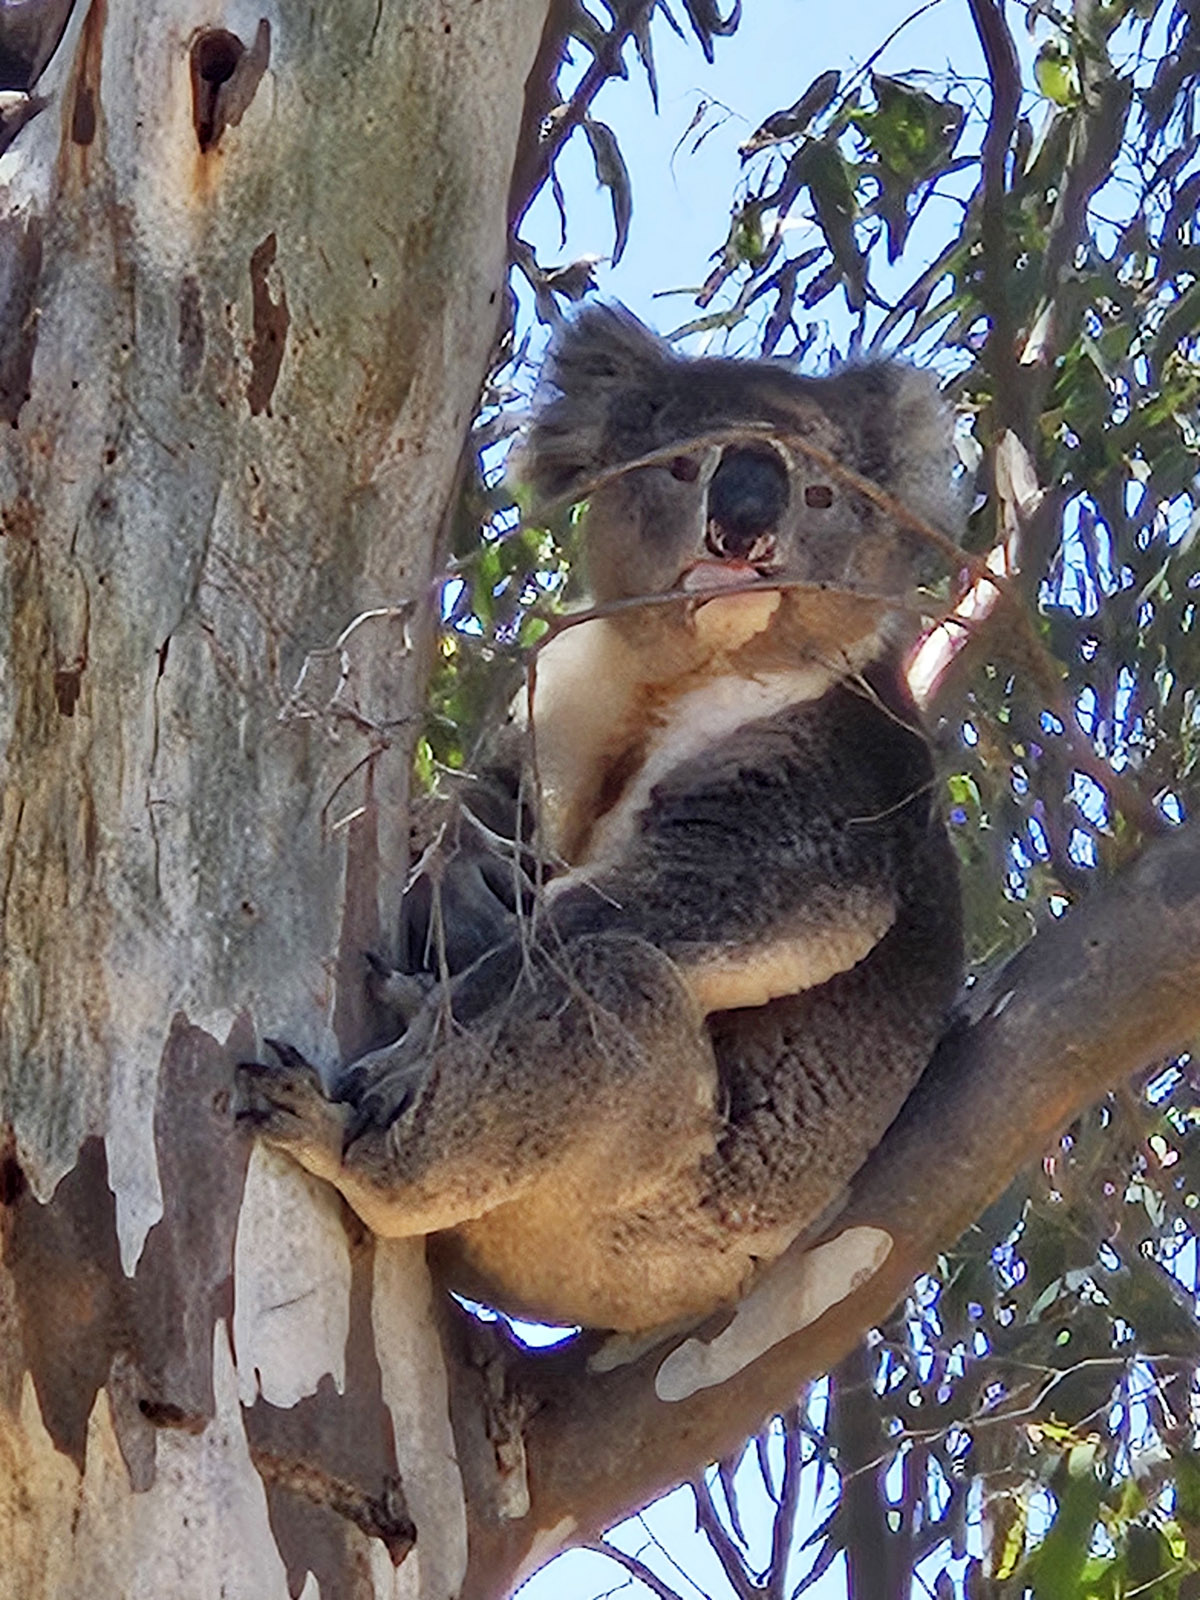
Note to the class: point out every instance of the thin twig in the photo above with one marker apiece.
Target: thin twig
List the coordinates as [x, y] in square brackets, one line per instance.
[636, 1569]
[784, 1528]
[727, 1553]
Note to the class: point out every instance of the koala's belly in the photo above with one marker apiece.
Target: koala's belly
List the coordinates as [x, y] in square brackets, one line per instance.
[626, 1271]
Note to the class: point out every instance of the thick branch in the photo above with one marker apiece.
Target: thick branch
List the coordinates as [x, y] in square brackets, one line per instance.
[857, 1431]
[1096, 137]
[1004, 72]
[541, 98]
[1092, 999]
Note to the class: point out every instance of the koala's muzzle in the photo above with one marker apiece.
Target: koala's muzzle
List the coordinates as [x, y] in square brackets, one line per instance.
[747, 496]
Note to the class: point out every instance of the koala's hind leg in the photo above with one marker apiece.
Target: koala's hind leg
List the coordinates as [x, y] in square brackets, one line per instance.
[592, 1069]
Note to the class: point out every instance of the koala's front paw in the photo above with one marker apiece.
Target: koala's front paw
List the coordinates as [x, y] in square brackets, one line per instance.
[285, 1103]
[381, 1086]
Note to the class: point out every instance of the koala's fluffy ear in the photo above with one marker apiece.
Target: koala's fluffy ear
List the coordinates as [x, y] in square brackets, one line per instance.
[923, 455]
[604, 378]
[904, 433]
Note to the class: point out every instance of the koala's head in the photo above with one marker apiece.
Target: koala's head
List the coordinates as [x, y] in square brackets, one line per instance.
[731, 490]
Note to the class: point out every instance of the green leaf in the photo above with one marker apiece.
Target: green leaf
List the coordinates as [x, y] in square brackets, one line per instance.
[708, 23]
[746, 235]
[796, 119]
[1181, 321]
[1187, 1490]
[822, 168]
[1057, 1565]
[911, 132]
[911, 136]
[613, 175]
[964, 791]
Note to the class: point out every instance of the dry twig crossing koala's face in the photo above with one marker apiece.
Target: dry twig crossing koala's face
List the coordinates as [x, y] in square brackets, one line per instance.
[710, 474]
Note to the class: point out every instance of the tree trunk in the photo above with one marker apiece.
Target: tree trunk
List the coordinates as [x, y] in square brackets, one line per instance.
[252, 267]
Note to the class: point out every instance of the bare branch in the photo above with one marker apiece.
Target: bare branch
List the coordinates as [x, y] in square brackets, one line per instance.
[636, 1569]
[536, 160]
[784, 1529]
[733, 1563]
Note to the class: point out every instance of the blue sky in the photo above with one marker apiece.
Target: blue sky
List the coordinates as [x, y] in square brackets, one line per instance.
[681, 205]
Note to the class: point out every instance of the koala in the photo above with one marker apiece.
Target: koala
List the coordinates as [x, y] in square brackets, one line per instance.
[679, 988]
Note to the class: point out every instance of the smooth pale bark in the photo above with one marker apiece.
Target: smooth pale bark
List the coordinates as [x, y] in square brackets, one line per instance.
[251, 282]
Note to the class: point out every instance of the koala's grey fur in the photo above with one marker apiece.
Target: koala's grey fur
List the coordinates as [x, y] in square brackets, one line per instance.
[646, 1084]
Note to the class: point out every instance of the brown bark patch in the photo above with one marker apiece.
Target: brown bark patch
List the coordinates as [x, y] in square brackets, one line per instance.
[191, 332]
[83, 1324]
[271, 321]
[329, 1462]
[185, 1275]
[359, 1021]
[83, 114]
[67, 681]
[225, 76]
[81, 105]
[12, 1180]
[19, 519]
[20, 275]
[74, 1300]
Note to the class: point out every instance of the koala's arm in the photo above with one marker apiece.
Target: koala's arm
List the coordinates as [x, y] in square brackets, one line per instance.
[771, 863]
[472, 874]
[783, 848]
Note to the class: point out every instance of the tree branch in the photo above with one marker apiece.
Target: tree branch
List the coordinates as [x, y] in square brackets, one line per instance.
[541, 97]
[541, 145]
[784, 1530]
[636, 1569]
[1094, 998]
[1096, 137]
[1004, 72]
[726, 1551]
[855, 1427]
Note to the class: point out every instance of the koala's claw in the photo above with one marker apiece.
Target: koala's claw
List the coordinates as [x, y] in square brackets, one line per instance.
[379, 1088]
[401, 992]
[290, 1060]
[286, 1104]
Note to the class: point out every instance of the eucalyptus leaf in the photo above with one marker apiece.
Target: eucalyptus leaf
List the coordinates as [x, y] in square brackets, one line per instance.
[613, 175]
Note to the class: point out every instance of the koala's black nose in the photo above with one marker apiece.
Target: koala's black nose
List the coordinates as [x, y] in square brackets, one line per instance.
[746, 498]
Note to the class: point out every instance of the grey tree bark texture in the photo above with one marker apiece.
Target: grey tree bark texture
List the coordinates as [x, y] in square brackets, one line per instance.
[252, 261]
[251, 268]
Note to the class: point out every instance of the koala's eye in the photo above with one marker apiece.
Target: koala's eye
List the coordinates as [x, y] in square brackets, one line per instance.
[819, 496]
[685, 468]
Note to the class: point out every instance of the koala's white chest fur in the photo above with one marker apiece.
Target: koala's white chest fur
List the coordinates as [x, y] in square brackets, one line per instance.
[696, 721]
[611, 720]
